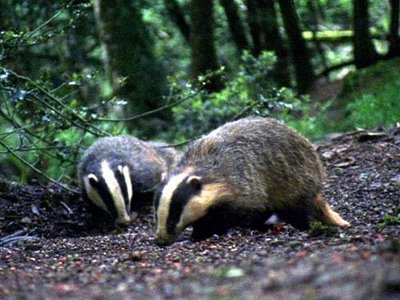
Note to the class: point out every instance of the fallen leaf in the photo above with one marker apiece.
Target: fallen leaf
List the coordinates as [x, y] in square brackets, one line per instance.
[366, 255]
[369, 136]
[337, 258]
[222, 291]
[349, 161]
[301, 253]
[65, 288]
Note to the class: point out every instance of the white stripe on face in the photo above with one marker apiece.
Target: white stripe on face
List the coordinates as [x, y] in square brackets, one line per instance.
[115, 191]
[164, 204]
[92, 193]
[127, 177]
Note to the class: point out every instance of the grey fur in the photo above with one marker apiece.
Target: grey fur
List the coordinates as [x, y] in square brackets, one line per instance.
[147, 165]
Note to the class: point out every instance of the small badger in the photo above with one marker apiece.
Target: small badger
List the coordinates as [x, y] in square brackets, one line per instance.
[239, 175]
[119, 174]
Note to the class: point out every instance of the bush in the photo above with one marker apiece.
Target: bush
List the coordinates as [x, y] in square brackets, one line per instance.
[373, 97]
[249, 92]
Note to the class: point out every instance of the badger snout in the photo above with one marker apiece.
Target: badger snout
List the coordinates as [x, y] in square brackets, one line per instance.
[125, 220]
[164, 240]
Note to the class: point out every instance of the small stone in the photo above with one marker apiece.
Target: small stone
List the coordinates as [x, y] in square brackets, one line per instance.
[26, 220]
[396, 180]
[376, 185]
[234, 272]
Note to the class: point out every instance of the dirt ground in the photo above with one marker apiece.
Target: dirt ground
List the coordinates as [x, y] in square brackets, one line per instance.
[51, 248]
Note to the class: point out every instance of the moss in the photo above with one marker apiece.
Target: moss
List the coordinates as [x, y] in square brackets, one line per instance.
[389, 220]
[319, 229]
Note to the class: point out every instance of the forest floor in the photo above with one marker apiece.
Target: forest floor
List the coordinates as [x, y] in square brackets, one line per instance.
[50, 248]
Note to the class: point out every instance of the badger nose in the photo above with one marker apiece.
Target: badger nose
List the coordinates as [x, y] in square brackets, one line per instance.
[123, 221]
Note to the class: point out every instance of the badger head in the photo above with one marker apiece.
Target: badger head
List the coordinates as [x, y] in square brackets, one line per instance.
[184, 199]
[111, 190]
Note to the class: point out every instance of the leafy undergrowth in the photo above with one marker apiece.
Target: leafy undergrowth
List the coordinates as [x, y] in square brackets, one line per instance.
[367, 98]
[65, 254]
[373, 96]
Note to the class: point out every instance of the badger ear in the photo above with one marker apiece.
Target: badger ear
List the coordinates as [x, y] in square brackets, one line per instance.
[194, 182]
[163, 176]
[93, 180]
[120, 169]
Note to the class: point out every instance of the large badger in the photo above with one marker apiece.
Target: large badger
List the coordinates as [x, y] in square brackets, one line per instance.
[120, 174]
[239, 175]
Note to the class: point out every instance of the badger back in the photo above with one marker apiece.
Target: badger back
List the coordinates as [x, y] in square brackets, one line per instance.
[167, 153]
[261, 156]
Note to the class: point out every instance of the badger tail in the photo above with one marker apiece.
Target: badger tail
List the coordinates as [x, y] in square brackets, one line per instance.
[326, 214]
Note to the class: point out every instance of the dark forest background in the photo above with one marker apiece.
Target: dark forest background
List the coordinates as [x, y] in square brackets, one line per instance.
[172, 70]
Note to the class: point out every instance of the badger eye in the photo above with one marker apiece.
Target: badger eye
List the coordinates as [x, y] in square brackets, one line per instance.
[194, 182]
[93, 181]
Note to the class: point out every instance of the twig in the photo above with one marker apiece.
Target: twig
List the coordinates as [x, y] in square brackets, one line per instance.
[32, 167]
[86, 125]
[148, 112]
[44, 24]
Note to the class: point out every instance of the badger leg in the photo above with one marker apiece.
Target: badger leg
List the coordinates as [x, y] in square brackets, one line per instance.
[298, 215]
[207, 227]
[325, 214]
[309, 208]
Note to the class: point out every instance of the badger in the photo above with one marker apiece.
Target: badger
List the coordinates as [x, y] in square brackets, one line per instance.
[119, 174]
[241, 174]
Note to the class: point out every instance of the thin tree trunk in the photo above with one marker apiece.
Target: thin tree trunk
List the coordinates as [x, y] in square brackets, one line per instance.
[364, 50]
[204, 57]
[177, 16]
[256, 30]
[235, 24]
[299, 52]
[132, 68]
[315, 20]
[262, 19]
[274, 42]
[394, 39]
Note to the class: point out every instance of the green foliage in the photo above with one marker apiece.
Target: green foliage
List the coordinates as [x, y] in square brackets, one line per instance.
[319, 229]
[371, 100]
[313, 120]
[249, 92]
[372, 95]
[46, 119]
[389, 220]
[42, 127]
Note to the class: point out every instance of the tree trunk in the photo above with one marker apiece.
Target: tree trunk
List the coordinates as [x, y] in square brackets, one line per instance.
[364, 50]
[274, 42]
[394, 39]
[132, 69]
[315, 18]
[177, 16]
[235, 24]
[264, 29]
[256, 30]
[298, 49]
[204, 57]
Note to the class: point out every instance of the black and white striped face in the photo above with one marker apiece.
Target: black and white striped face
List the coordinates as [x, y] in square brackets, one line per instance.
[111, 190]
[182, 201]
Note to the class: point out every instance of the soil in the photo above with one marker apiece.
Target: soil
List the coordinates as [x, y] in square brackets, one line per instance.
[51, 247]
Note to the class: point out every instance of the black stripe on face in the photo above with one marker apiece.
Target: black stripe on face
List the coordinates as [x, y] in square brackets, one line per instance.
[181, 196]
[157, 196]
[124, 189]
[105, 195]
